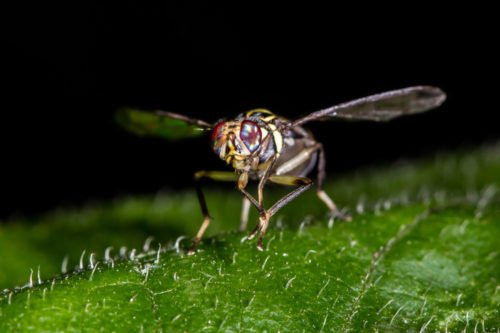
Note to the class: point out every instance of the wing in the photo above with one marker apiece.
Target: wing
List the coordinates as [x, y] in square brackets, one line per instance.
[164, 124]
[382, 107]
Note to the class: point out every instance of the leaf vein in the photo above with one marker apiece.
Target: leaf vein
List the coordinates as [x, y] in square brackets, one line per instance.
[403, 231]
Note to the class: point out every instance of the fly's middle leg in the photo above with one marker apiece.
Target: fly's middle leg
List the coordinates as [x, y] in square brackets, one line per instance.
[245, 209]
[198, 176]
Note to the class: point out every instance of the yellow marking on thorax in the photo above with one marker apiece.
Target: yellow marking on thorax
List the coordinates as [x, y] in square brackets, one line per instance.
[268, 119]
[278, 139]
[254, 111]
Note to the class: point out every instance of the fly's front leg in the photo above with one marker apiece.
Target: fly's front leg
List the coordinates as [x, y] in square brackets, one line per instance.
[303, 183]
[242, 183]
[264, 216]
[215, 175]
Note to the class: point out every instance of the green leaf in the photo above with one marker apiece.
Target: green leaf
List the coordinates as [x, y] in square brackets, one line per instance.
[142, 122]
[421, 254]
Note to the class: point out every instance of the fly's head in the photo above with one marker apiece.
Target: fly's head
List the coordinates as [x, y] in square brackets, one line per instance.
[236, 142]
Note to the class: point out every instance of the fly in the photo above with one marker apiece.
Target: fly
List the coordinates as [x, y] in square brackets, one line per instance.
[265, 147]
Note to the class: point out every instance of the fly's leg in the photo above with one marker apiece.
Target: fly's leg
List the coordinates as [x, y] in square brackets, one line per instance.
[262, 226]
[198, 176]
[302, 182]
[303, 156]
[264, 216]
[242, 182]
[245, 209]
[322, 194]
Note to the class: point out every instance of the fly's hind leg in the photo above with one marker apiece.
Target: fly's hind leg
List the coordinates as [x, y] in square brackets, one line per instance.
[198, 176]
[322, 194]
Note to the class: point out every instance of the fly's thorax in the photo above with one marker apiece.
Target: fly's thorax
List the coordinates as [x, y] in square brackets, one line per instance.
[252, 137]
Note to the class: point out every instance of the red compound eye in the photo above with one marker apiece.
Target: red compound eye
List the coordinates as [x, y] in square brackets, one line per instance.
[216, 136]
[250, 134]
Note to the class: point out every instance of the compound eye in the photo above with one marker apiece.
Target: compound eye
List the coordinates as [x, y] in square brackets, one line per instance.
[251, 135]
[217, 134]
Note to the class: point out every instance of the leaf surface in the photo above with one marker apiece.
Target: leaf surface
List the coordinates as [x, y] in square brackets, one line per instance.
[421, 254]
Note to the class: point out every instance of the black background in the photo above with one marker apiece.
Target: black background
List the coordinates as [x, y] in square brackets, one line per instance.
[65, 68]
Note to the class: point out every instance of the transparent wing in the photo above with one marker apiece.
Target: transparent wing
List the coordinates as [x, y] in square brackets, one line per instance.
[382, 107]
[168, 125]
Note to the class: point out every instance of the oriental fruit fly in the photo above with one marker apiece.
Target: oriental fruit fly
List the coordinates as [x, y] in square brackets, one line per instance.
[262, 146]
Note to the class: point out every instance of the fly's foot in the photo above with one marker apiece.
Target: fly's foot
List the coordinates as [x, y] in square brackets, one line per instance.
[337, 215]
[261, 226]
[341, 216]
[254, 232]
[192, 249]
[204, 225]
[259, 245]
[257, 228]
[264, 220]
